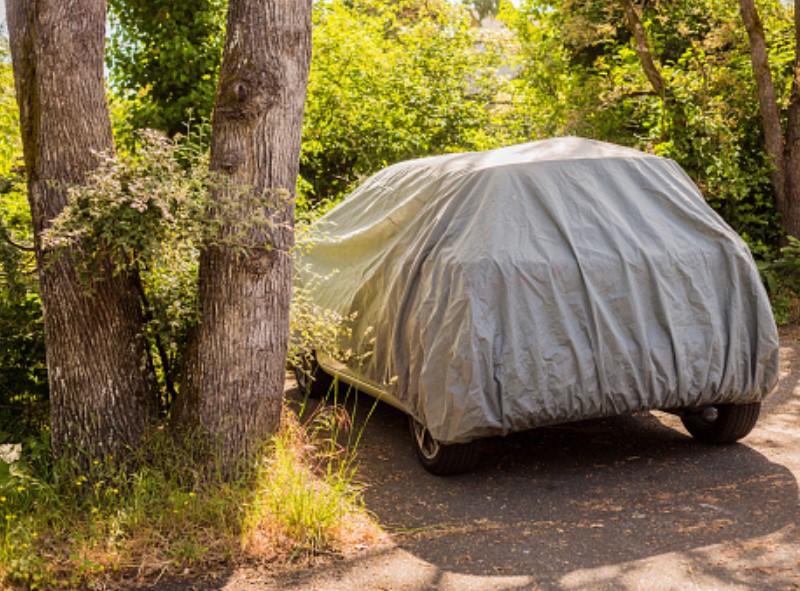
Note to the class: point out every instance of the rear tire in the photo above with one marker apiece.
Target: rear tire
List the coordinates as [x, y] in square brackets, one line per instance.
[440, 459]
[312, 381]
[721, 423]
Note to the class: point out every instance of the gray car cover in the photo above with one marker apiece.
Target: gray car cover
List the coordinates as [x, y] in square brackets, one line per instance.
[542, 283]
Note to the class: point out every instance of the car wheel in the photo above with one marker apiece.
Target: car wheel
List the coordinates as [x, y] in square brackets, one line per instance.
[722, 423]
[312, 381]
[441, 459]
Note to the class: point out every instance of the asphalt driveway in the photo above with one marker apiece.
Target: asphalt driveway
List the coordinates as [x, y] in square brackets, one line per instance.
[630, 503]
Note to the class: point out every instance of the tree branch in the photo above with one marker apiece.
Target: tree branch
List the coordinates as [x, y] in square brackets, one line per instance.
[643, 48]
[21, 247]
[147, 316]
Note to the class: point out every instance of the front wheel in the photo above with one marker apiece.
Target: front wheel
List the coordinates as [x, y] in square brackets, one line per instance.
[439, 458]
[721, 423]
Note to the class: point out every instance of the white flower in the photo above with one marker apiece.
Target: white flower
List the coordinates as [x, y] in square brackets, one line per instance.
[10, 452]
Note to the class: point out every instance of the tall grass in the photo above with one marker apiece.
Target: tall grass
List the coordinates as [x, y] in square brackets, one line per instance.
[161, 513]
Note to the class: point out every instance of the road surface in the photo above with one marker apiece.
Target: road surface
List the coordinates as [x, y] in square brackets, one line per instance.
[630, 503]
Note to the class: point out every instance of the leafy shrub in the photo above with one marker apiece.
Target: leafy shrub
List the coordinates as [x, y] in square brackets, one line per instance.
[147, 212]
[391, 81]
[781, 276]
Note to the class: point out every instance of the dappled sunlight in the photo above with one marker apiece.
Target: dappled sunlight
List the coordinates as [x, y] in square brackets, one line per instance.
[777, 431]
[628, 503]
[392, 568]
[732, 566]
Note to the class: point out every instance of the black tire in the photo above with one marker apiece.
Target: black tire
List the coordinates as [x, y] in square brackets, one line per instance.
[312, 381]
[722, 423]
[441, 459]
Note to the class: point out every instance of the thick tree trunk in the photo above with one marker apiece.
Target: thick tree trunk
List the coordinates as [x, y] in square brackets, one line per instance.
[101, 384]
[235, 367]
[770, 113]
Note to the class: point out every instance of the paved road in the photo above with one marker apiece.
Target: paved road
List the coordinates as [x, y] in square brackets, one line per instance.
[630, 503]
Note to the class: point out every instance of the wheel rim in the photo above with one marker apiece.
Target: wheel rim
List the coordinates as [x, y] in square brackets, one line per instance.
[426, 444]
[708, 415]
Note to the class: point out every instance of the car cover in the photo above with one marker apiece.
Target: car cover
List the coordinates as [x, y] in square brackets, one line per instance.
[542, 283]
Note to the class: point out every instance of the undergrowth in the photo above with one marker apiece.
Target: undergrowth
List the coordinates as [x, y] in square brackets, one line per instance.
[161, 514]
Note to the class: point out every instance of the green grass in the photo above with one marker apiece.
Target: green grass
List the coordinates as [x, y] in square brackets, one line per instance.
[160, 513]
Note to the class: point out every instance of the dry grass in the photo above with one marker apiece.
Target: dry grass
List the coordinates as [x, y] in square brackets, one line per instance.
[112, 525]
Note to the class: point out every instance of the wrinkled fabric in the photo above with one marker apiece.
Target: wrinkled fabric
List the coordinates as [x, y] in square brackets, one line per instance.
[542, 283]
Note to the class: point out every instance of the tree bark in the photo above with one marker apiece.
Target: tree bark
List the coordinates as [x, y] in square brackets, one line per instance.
[235, 366]
[102, 391]
[767, 101]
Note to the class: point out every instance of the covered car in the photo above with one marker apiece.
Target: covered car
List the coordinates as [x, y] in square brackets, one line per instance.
[538, 284]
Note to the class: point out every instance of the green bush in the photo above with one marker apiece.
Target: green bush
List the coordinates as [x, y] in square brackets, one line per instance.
[391, 81]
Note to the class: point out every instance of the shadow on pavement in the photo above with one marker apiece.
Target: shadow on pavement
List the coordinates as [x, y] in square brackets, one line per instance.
[553, 502]
[629, 503]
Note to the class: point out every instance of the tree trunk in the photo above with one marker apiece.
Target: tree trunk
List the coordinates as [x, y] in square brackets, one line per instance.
[643, 49]
[788, 200]
[235, 366]
[673, 115]
[770, 113]
[102, 389]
